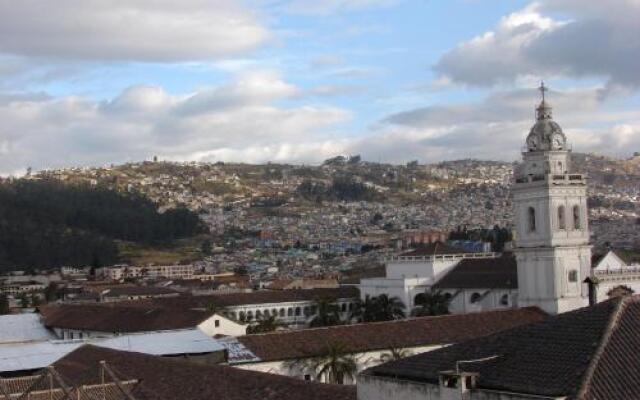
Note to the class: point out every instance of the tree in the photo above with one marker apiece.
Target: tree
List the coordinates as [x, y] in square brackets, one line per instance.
[335, 365]
[205, 247]
[264, 325]
[378, 308]
[4, 304]
[24, 300]
[35, 300]
[389, 308]
[431, 302]
[394, 354]
[327, 314]
[51, 292]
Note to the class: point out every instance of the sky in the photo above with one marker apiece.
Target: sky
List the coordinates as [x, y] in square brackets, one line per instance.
[96, 82]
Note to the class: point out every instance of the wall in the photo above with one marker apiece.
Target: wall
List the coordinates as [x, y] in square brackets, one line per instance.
[298, 368]
[225, 327]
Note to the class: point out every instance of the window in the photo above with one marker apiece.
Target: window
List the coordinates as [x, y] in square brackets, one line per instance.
[504, 300]
[290, 312]
[576, 217]
[216, 323]
[573, 276]
[532, 219]
[242, 316]
[267, 313]
[561, 220]
[475, 297]
[307, 377]
[258, 314]
[297, 311]
[282, 312]
[343, 307]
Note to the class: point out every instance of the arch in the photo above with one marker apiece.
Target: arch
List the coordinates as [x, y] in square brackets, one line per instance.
[258, 314]
[274, 312]
[306, 311]
[290, 312]
[242, 316]
[249, 315]
[561, 218]
[504, 300]
[282, 312]
[343, 307]
[267, 313]
[297, 311]
[576, 217]
[419, 299]
[475, 297]
[531, 215]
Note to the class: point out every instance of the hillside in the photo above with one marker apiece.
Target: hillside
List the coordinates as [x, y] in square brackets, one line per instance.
[47, 224]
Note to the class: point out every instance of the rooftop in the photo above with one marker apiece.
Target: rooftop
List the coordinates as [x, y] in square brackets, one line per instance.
[589, 353]
[121, 319]
[169, 379]
[483, 273]
[413, 332]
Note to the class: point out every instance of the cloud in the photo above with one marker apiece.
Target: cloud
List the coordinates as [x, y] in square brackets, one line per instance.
[123, 30]
[496, 128]
[240, 119]
[595, 42]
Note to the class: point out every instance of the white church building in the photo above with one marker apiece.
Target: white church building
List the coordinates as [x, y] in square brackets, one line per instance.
[550, 266]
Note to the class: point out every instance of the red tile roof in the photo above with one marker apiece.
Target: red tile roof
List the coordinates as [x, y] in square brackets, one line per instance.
[170, 379]
[413, 332]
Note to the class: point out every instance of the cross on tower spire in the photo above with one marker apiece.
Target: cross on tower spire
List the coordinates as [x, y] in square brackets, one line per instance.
[543, 89]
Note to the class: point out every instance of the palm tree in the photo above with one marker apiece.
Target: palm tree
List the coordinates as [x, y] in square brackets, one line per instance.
[389, 308]
[431, 302]
[378, 308]
[335, 365]
[394, 353]
[327, 314]
[264, 325]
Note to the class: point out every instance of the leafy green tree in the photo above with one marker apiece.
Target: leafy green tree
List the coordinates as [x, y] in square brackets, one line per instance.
[431, 302]
[327, 314]
[4, 304]
[24, 300]
[264, 325]
[378, 308]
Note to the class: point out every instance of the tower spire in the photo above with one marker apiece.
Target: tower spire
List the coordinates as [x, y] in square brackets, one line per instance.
[543, 111]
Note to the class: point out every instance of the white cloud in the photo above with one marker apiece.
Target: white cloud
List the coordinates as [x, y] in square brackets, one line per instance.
[496, 127]
[595, 42]
[154, 30]
[238, 119]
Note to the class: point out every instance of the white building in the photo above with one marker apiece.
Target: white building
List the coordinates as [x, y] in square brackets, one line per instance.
[552, 251]
[120, 272]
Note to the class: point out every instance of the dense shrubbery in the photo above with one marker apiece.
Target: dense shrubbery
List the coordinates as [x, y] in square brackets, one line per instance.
[47, 224]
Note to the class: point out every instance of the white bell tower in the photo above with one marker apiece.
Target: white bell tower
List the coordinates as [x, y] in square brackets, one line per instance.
[552, 234]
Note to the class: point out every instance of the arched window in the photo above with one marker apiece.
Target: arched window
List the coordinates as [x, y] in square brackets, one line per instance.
[297, 311]
[258, 314]
[249, 315]
[267, 313]
[343, 307]
[561, 220]
[576, 217]
[475, 297]
[306, 311]
[504, 300]
[274, 312]
[532, 219]
[290, 312]
[282, 312]
[242, 316]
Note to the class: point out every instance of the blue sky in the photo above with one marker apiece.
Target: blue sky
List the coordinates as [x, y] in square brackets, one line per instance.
[92, 83]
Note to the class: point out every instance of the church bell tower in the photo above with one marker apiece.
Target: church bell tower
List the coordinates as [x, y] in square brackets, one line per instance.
[552, 235]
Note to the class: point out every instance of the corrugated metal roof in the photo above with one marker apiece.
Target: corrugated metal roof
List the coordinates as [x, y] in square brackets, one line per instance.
[22, 328]
[35, 355]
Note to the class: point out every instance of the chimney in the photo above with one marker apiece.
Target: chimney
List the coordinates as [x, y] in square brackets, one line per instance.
[456, 385]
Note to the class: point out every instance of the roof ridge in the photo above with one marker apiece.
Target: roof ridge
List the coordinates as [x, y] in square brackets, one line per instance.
[604, 341]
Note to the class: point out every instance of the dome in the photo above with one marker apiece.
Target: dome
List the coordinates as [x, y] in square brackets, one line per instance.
[545, 134]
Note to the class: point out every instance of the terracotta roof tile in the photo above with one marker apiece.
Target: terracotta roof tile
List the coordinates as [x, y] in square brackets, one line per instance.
[413, 332]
